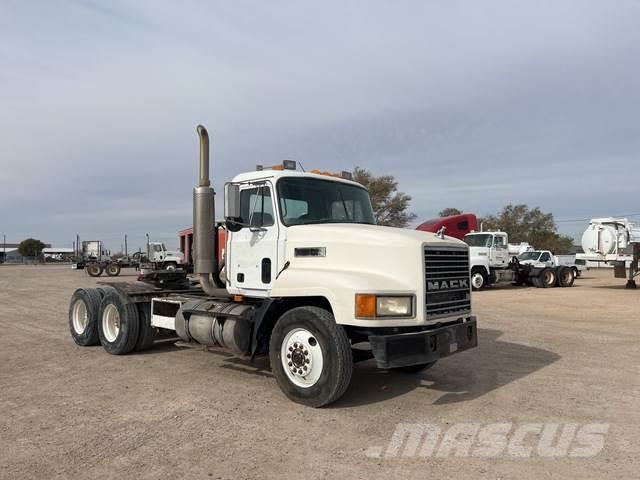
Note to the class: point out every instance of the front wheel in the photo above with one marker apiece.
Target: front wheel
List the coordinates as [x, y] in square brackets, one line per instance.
[310, 356]
[478, 279]
[170, 266]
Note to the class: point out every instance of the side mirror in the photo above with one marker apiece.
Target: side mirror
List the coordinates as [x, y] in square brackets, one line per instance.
[231, 201]
[232, 207]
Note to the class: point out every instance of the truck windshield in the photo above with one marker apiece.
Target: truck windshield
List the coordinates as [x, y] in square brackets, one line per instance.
[478, 240]
[305, 201]
[529, 256]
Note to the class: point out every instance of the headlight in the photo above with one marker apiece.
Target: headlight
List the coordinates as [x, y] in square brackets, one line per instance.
[374, 306]
[394, 306]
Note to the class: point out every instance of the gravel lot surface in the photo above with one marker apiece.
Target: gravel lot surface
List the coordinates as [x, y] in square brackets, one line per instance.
[565, 356]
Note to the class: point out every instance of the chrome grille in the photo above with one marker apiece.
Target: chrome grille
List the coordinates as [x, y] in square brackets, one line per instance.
[447, 285]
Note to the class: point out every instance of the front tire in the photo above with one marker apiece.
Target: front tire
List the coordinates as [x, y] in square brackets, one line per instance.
[118, 324]
[310, 356]
[170, 266]
[479, 279]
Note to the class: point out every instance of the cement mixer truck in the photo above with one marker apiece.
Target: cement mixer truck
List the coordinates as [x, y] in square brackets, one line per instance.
[612, 241]
[309, 280]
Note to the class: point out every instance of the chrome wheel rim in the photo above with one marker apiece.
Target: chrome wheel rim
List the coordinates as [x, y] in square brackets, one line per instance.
[302, 358]
[477, 280]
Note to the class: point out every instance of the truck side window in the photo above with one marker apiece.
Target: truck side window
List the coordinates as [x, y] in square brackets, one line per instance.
[545, 257]
[256, 207]
[499, 242]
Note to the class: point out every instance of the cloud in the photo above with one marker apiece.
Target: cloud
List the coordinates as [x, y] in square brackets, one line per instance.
[468, 105]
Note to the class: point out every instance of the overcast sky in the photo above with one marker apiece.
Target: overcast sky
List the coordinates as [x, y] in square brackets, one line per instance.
[468, 104]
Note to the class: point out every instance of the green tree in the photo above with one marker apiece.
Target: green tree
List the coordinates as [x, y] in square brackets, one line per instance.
[523, 224]
[447, 212]
[30, 247]
[389, 205]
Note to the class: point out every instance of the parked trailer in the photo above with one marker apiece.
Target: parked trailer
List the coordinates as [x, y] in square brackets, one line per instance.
[491, 263]
[612, 241]
[308, 276]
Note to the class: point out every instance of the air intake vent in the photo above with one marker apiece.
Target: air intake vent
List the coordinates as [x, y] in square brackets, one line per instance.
[447, 286]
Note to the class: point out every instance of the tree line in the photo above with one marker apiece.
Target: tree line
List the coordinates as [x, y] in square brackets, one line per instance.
[522, 223]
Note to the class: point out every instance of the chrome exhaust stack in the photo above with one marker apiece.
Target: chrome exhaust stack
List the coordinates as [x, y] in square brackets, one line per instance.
[204, 256]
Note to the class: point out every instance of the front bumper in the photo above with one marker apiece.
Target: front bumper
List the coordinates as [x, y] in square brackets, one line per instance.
[404, 349]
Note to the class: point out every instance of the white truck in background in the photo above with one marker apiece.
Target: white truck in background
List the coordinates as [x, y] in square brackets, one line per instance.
[95, 258]
[548, 259]
[491, 263]
[163, 259]
[612, 240]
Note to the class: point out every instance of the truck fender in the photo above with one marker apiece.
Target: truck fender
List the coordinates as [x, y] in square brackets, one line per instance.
[337, 286]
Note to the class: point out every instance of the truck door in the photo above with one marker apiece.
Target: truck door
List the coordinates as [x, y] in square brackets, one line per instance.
[252, 253]
[546, 259]
[500, 251]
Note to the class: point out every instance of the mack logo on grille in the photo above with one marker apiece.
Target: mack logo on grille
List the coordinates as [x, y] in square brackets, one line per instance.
[448, 284]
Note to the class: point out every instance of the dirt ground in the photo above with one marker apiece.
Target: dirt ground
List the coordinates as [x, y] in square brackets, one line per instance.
[567, 356]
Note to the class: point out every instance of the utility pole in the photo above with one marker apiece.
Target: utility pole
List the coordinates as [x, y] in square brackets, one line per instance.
[4, 248]
[125, 245]
[148, 252]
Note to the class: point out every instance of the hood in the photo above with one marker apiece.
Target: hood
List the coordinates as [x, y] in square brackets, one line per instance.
[372, 235]
[391, 258]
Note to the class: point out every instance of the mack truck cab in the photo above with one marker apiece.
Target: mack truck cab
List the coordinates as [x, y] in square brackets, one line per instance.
[309, 280]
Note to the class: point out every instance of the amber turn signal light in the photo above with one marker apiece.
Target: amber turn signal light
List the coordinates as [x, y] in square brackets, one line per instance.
[365, 305]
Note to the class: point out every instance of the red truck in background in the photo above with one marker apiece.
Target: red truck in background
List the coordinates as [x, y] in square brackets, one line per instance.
[456, 226]
[186, 244]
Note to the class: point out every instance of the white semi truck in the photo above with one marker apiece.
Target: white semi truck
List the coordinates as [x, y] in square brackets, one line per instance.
[545, 258]
[308, 277]
[612, 240]
[163, 259]
[492, 263]
[95, 259]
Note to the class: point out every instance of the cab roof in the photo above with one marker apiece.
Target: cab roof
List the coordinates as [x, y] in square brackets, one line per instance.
[268, 174]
